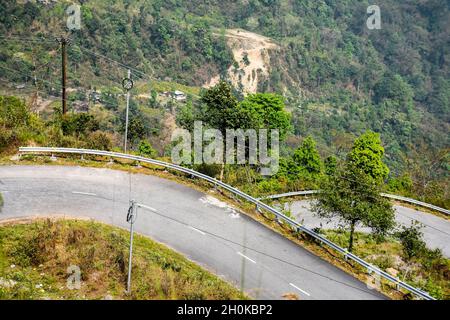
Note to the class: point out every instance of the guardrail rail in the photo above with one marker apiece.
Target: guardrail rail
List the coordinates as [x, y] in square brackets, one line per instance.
[386, 195]
[261, 205]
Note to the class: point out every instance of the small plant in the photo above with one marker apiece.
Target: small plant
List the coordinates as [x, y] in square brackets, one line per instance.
[146, 149]
[412, 240]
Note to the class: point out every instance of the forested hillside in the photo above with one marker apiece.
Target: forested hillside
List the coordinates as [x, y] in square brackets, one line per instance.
[337, 77]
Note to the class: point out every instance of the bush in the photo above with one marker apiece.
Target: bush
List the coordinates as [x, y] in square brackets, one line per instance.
[99, 140]
[17, 124]
[412, 240]
[13, 112]
[211, 170]
[78, 124]
[146, 149]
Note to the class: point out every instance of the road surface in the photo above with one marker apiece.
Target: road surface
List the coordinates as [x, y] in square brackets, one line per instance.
[436, 230]
[205, 230]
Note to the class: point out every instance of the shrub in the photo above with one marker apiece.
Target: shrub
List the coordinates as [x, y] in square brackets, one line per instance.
[79, 123]
[146, 149]
[412, 240]
[13, 112]
[211, 170]
[99, 140]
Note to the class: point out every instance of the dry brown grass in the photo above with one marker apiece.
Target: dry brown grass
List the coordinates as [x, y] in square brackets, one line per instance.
[42, 250]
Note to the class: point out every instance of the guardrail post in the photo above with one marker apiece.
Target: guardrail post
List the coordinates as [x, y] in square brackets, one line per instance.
[53, 158]
[278, 220]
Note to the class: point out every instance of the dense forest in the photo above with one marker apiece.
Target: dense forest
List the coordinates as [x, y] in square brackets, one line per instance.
[337, 78]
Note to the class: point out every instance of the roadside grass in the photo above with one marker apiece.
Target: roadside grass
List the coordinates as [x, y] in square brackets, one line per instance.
[429, 270]
[34, 257]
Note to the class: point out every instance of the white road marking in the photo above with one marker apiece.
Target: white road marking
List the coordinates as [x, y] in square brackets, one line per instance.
[244, 256]
[195, 229]
[148, 208]
[302, 291]
[84, 193]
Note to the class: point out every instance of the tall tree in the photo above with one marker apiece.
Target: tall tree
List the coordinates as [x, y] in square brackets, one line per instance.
[306, 157]
[264, 111]
[367, 155]
[219, 107]
[352, 193]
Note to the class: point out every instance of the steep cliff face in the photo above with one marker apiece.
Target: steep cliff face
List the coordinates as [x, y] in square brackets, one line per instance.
[252, 59]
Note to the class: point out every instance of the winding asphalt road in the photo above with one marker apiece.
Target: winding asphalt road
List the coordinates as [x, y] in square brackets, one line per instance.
[205, 230]
[436, 230]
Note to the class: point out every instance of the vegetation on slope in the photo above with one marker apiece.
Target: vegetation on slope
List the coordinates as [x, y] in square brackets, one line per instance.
[338, 77]
[426, 269]
[34, 258]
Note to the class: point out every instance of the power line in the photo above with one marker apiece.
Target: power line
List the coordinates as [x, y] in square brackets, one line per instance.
[25, 39]
[28, 75]
[141, 75]
[47, 63]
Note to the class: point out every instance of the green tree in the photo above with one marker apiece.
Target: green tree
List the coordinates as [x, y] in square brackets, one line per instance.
[412, 240]
[186, 116]
[306, 157]
[263, 111]
[330, 165]
[219, 107]
[352, 193]
[146, 149]
[367, 155]
[392, 87]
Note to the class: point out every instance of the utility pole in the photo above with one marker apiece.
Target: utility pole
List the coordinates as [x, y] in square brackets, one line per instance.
[64, 42]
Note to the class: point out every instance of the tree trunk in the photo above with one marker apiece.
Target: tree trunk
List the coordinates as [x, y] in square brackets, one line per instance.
[352, 231]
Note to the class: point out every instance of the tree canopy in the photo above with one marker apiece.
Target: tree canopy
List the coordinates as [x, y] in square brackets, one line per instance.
[352, 192]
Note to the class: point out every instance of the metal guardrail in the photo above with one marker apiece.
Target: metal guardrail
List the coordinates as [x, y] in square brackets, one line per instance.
[386, 195]
[280, 216]
[416, 202]
[290, 194]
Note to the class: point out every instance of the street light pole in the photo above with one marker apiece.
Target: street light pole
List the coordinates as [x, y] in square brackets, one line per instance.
[126, 116]
[131, 219]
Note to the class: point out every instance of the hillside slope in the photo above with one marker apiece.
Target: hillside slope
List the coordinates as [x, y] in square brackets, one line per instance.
[338, 77]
